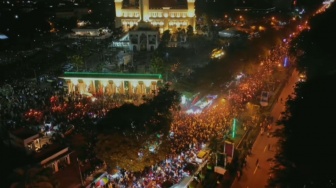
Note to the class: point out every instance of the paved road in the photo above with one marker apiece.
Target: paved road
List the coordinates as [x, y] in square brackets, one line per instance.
[256, 176]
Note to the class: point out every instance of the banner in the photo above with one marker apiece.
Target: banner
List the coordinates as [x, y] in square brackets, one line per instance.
[228, 148]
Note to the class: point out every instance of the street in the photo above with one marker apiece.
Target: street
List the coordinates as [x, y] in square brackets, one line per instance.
[256, 172]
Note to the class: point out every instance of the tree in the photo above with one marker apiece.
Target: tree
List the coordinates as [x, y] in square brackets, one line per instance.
[312, 47]
[78, 61]
[165, 38]
[157, 65]
[85, 53]
[305, 158]
[135, 137]
[207, 23]
[36, 177]
[130, 153]
[190, 30]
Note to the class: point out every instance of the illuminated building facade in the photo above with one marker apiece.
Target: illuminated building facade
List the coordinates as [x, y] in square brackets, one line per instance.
[164, 14]
[111, 83]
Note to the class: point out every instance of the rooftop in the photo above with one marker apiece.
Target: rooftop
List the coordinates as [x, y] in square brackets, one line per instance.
[144, 26]
[48, 152]
[174, 4]
[24, 133]
[110, 75]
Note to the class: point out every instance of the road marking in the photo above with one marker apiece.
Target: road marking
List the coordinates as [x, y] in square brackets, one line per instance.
[256, 168]
[279, 118]
[265, 148]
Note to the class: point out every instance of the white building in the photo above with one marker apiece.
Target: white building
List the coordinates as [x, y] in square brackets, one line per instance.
[112, 83]
[163, 14]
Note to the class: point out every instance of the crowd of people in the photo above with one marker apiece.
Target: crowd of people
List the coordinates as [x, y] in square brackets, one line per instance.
[27, 103]
[192, 131]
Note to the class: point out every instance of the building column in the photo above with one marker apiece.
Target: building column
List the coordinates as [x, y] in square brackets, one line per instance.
[141, 87]
[56, 166]
[87, 84]
[165, 23]
[135, 85]
[118, 9]
[153, 88]
[93, 82]
[147, 85]
[104, 84]
[71, 86]
[118, 84]
[74, 84]
[113, 87]
[68, 159]
[130, 88]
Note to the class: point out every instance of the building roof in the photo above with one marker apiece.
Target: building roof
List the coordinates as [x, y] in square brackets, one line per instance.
[173, 4]
[85, 29]
[49, 152]
[144, 26]
[24, 133]
[80, 75]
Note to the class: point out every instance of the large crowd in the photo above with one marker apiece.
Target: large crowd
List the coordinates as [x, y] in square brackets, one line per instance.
[192, 131]
[27, 103]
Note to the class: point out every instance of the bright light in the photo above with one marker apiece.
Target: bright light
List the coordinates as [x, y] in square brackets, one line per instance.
[152, 149]
[217, 53]
[285, 62]
[183, 100]
[233, 128]
[191, 111]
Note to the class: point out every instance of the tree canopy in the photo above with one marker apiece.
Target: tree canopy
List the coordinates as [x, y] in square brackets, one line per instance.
[78, 61]
[306, 157]
[35, 177]
[312, 47]
[134, 137]
[157, 66]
